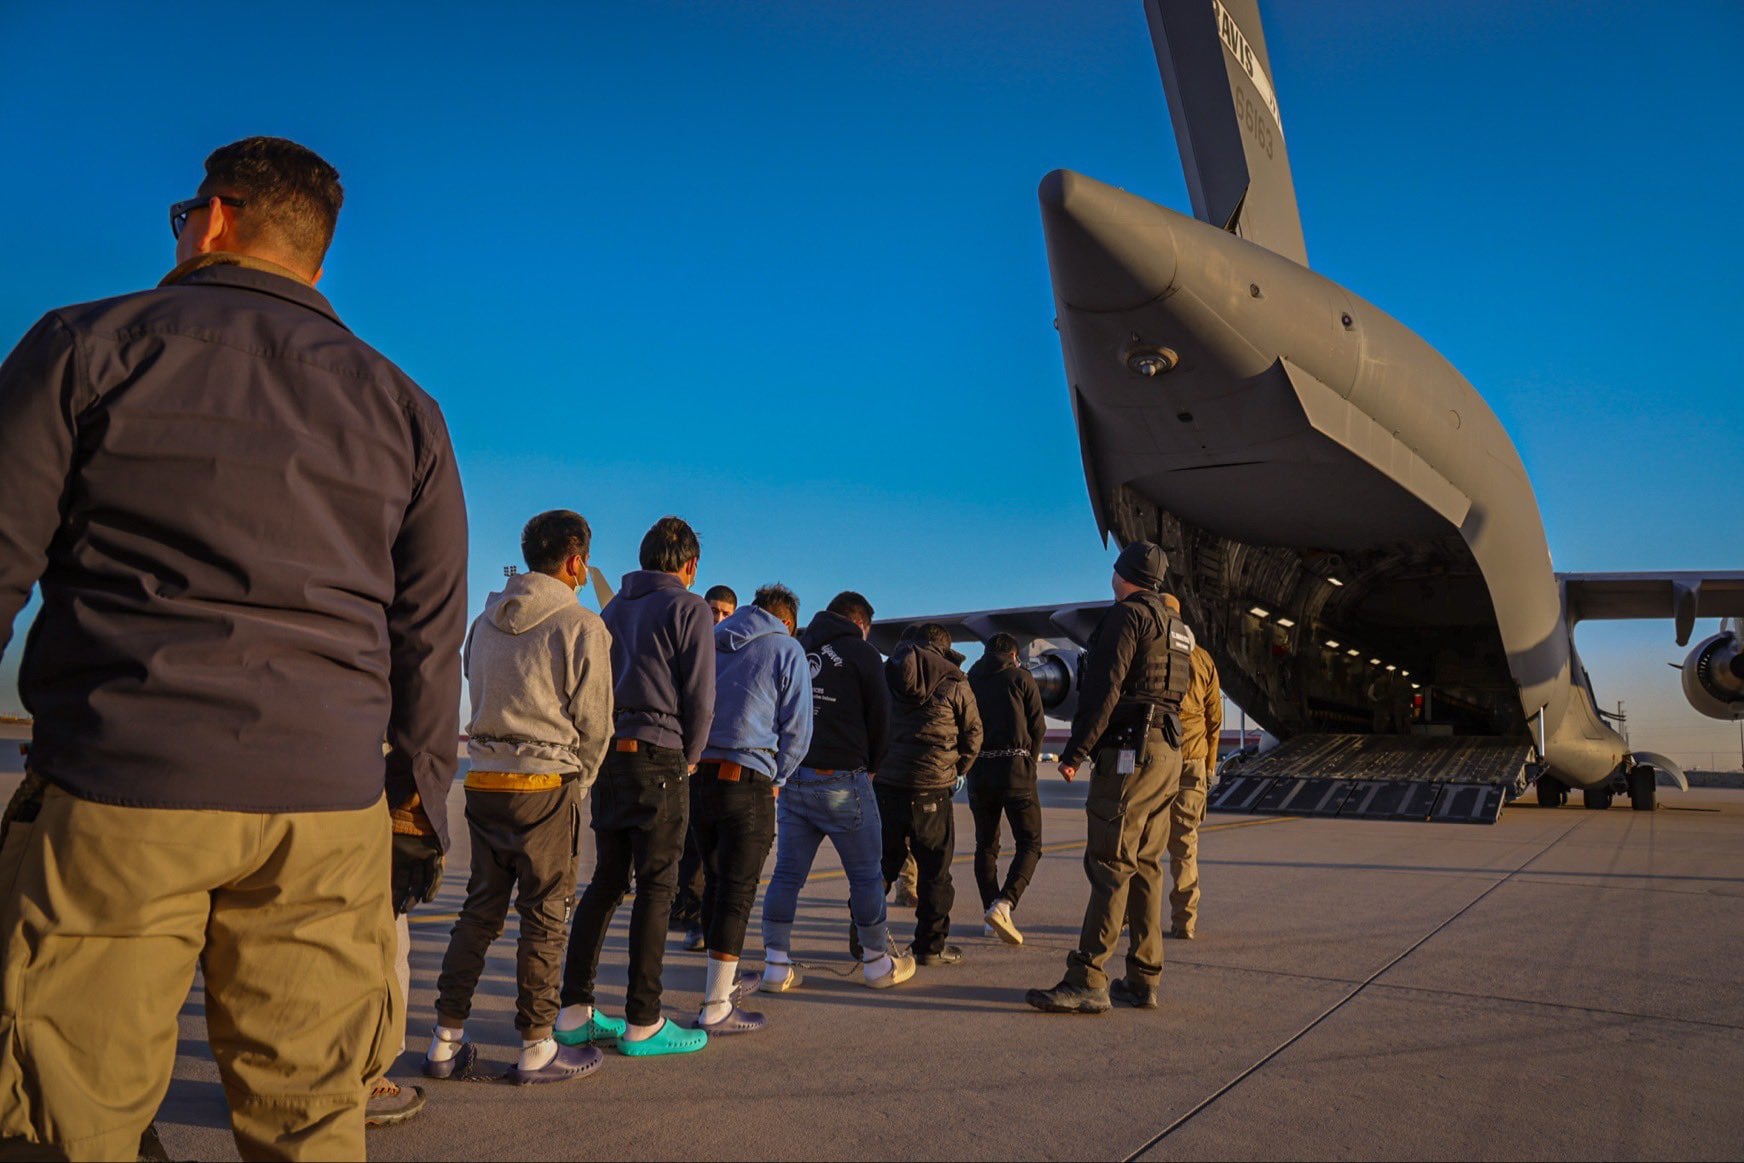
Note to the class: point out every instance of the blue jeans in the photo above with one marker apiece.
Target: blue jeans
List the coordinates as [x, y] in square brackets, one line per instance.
[841, 807]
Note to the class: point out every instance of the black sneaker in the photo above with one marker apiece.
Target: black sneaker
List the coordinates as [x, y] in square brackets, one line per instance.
[947, 955]
[1135, 994]
[1066, 998]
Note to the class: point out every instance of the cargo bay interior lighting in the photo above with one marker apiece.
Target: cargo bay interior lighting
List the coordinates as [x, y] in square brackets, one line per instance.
[1334, 581]
[1259, 611]
[1286, 623]
[1331, 644]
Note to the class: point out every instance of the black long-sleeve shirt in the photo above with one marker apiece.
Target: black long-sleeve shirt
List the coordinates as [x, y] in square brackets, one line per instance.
[250, 538]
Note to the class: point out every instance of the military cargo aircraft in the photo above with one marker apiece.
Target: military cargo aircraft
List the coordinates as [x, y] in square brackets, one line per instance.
[1350, 530]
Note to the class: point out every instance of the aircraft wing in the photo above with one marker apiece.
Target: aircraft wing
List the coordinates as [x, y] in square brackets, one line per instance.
[1025, 623]
[1682, 596]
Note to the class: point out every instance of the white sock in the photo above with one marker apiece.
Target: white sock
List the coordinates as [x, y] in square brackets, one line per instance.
[717, 1001]
[537, 1055]
[876, 966]
[775, 957]
[444, 1043]
[574, 1017]
[635, 1033]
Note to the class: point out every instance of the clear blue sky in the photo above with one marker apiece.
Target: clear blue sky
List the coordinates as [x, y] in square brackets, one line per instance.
[778, 267]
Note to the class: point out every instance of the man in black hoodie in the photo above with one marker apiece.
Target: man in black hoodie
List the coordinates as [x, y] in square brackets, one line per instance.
[935, 734]
[831, 796]
[1003, 780]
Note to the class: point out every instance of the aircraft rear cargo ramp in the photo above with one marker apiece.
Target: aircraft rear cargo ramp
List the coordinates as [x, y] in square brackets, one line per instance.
[1452, 779]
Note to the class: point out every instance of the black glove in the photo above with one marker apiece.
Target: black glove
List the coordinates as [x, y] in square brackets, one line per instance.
[417, 870]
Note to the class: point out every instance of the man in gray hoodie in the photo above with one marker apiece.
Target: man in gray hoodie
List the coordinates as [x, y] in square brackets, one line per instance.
[540, 674]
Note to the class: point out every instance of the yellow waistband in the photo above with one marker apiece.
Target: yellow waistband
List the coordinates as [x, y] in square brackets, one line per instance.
[511, 781]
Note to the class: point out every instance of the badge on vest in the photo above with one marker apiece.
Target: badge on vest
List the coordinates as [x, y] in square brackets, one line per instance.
[1125, 761]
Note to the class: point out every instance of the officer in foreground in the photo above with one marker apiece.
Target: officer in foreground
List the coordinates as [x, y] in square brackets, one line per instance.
[1135, 674]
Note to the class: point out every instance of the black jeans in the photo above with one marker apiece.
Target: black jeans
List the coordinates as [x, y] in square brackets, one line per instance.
[734, 825]
[641, 807]
[920, 821]
[687, 900]
[1005, 787]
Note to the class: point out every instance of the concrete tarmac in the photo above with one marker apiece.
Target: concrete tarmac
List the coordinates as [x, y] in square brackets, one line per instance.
[1563, 985]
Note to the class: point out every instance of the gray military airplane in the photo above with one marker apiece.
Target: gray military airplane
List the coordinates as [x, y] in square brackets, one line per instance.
[1350, 530]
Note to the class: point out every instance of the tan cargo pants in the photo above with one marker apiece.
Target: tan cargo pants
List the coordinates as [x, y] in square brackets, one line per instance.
[1126, 833]
[1185, 816]
[105, 912]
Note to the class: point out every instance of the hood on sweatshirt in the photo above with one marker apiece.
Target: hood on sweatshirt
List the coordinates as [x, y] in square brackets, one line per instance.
[639, 583]
[991, 663]
[525, 601]
[827, 627]
[916, 671]
[744, 626]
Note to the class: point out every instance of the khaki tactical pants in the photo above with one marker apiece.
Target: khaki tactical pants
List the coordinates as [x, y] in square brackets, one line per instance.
[104, 913]
[1126, 835]
[1185, 816]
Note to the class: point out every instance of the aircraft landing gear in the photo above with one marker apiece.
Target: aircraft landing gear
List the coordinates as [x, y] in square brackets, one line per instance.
[1598, 799]
[1643, 789]
[1552, 792]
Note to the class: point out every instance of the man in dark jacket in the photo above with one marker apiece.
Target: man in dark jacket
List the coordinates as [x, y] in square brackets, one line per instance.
[1003, 780]
[935, 734]
[251, 544]
[1137, 669]
[831, 796]
[663, 686]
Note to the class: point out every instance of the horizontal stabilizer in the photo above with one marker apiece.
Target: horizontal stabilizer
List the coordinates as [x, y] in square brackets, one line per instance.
[1025, 623]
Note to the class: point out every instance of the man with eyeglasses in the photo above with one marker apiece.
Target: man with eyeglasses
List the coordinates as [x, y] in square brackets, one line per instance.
[250, 539]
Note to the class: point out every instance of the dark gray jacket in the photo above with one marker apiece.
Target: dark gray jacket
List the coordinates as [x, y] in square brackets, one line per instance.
[251, 543]
[663, 662]
[935, 729]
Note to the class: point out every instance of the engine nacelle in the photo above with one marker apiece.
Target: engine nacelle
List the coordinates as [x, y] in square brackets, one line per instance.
[1056, 676]
[1713, 677]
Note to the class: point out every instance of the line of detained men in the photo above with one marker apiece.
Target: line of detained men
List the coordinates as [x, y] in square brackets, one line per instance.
[820, 731]
[249, 537]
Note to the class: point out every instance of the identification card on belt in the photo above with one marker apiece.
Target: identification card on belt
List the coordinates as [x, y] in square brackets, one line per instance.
[1125, 761]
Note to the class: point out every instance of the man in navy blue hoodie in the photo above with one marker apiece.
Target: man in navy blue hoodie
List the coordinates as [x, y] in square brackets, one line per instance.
[761, 731]
[663, 676]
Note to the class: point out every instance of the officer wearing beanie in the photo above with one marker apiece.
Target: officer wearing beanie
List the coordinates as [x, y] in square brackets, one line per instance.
[1137, 668]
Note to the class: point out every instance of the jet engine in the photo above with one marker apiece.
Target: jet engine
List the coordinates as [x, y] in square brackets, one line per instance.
[1713, 676]
[1056, 675]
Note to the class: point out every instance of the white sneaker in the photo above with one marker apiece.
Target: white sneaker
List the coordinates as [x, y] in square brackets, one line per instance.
[999, 920]
[901, 969]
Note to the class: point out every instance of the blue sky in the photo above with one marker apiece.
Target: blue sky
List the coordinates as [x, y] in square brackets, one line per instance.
[778, 267]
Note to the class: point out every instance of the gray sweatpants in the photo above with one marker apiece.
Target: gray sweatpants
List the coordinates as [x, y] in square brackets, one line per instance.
[525, 845]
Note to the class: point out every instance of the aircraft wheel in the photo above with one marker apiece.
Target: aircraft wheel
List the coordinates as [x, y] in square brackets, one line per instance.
[1597, 799]
[1643, 789]
[1552, 792]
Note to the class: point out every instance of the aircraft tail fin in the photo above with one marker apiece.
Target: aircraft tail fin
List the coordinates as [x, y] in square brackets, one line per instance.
[1212, 54]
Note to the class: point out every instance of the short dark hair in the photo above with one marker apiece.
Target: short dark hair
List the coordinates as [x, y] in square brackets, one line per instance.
[778, 600]
[293, 195]
[722, 594]
[548, 539]
[928, 634]
[851, 606]
[1002, 643]
[669, 546]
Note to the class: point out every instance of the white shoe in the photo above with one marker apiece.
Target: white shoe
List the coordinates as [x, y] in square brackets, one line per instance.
[999, 920]
[901, 969]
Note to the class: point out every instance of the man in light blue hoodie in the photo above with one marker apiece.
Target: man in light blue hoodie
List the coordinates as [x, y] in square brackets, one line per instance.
[761, 730]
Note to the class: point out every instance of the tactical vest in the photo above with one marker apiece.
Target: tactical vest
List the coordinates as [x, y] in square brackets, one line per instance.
[1162, 670]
